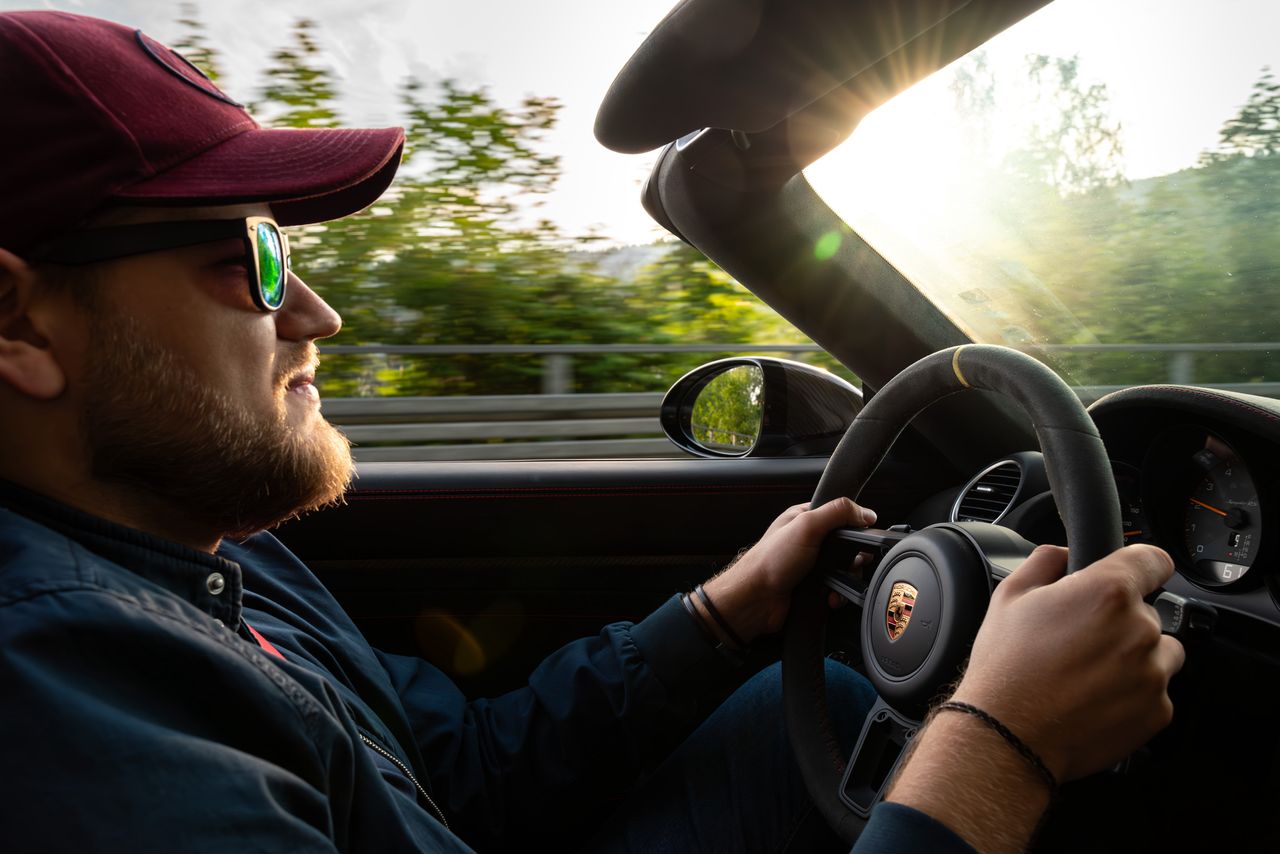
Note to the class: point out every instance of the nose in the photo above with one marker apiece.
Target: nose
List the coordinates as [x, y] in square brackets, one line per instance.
[304, 315]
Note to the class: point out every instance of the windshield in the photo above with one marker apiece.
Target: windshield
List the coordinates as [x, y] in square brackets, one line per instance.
[1097, 185]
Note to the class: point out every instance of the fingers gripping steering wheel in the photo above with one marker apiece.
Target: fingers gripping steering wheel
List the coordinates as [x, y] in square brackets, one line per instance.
[939, 578]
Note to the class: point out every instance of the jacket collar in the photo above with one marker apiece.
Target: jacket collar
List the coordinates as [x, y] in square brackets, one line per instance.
[211, 583]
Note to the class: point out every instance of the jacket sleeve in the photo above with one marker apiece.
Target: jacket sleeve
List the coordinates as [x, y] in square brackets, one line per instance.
[894, 828]
[562, 750]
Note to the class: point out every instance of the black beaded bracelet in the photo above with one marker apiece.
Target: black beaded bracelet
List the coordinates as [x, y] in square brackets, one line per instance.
[1007, 734]
[720, 621]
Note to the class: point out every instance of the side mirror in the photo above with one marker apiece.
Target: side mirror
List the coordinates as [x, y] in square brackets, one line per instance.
[758, 407]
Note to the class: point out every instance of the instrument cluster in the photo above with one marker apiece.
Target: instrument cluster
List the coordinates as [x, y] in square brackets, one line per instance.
[1197, 472]
[1195, 493]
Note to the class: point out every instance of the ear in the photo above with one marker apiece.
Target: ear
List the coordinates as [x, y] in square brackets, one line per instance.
[27, 362]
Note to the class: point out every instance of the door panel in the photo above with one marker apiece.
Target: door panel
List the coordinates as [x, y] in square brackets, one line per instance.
[483, 568]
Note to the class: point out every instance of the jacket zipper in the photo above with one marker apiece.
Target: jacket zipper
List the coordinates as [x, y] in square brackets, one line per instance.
[408, 774]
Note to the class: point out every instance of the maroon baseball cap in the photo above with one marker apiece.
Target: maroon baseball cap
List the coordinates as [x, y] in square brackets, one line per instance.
[97, 113]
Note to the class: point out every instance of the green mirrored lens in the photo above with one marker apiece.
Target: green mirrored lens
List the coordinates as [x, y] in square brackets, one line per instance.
[271, 270]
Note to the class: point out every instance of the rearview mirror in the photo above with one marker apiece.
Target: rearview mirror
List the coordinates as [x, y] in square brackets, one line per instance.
[758, 407]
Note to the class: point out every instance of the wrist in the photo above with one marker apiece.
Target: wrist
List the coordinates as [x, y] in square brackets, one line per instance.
[1018, 718]
[1016, 744]
[712, 634]
[965, 775]
[742, 609]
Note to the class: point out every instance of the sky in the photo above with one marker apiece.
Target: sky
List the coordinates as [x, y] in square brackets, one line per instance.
[569, 49]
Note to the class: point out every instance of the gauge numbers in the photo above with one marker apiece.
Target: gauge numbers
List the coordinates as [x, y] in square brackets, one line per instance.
[1222, 519]
[1128, 481]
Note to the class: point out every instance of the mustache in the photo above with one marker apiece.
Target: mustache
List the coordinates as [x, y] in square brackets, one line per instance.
[304, 359]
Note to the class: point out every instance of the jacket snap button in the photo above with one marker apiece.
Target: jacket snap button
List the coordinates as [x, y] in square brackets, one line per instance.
[216, 583]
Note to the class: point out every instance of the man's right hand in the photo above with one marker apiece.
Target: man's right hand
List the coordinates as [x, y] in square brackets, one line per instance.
[1075, 664]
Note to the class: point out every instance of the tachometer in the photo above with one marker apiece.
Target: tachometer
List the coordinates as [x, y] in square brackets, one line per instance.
[1222, 521]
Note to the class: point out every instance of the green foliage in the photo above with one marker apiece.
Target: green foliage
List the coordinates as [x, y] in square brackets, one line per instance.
[726, 414]
[1189, 257]
[299, 91]
[193, 45]
[1255, 130]
[456, 253]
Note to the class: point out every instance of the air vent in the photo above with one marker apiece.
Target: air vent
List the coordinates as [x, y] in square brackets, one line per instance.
[989, 495]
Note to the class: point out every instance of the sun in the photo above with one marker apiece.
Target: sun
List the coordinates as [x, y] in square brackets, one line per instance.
[905, 172]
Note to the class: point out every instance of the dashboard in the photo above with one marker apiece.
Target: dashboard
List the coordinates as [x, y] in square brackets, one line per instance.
[1197, 472]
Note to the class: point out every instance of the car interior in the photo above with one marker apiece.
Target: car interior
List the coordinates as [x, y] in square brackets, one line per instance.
[484, 568]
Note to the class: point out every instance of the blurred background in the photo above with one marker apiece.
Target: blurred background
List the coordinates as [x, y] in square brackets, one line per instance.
[511, 259]
[1072, 189]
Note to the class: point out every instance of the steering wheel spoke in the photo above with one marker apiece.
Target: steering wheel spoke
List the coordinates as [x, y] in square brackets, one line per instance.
[837, 561]
[882, 744]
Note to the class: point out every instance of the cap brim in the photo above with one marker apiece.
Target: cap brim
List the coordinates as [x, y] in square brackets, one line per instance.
[306, 175]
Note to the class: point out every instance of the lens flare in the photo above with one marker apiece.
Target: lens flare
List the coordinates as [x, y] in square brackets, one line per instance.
[827, 246]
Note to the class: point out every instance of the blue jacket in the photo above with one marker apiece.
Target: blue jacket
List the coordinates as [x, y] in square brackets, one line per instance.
[138, 711]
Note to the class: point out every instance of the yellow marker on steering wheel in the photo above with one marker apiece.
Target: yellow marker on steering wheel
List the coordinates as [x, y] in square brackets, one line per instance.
[955, 366]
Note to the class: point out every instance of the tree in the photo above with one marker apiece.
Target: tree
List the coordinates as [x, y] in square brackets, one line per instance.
[192, 44]
[1185, 257]
[1254, 131]
[973, 93]
[456, 253]
[1073, 144]
[1069, 141]
[299, 88]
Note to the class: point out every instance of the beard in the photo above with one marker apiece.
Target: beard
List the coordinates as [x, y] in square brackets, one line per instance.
[154, 427]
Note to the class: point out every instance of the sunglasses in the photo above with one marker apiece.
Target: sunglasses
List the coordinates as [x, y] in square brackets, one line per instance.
[266, 248]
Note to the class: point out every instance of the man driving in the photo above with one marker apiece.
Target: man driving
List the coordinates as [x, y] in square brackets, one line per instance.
[175, 679]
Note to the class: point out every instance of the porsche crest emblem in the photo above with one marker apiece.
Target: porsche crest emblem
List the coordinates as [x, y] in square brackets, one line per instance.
[902, 600]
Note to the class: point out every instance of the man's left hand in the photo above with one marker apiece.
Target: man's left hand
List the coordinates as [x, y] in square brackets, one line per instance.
[754, 593]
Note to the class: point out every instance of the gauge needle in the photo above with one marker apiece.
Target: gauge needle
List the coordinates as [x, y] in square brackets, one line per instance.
[1210, 509]
[1132, 533]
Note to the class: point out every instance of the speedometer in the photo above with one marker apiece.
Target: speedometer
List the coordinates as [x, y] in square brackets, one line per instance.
[1221, 517]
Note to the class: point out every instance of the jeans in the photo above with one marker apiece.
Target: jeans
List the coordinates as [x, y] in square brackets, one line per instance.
[733, 785]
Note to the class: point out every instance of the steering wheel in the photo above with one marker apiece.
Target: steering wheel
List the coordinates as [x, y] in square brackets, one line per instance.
[922, 606]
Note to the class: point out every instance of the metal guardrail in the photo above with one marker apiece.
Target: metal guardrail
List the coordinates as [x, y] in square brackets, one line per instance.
[482, 428]
[558, 424]
[383, 410]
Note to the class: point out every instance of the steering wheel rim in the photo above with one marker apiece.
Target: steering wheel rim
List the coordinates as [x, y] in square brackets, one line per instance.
[1085, 493]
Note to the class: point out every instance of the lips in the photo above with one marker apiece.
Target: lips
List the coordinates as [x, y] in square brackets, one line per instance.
[306, 378]
[303, 383]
